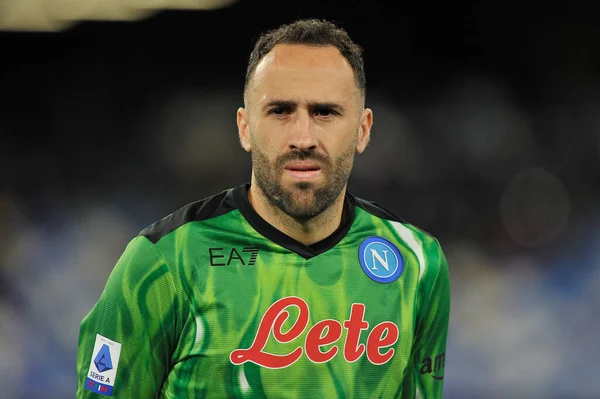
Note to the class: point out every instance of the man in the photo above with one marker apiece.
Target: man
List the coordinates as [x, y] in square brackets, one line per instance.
[286, 287]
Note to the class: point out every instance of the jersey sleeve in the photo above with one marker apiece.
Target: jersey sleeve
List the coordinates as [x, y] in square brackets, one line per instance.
[426, 375]
[126, 340]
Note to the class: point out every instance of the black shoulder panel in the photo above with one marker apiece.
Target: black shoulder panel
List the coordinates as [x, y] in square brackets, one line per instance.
[377, 210]
[203, 209]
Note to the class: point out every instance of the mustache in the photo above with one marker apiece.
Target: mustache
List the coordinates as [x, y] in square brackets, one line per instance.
[303, 155]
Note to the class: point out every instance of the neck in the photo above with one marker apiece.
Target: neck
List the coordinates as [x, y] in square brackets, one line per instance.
[306, 231]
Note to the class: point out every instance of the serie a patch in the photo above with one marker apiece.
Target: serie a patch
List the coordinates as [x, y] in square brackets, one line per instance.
[103, 366]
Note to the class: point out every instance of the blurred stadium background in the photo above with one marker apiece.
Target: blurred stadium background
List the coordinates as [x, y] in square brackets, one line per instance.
[487, 135]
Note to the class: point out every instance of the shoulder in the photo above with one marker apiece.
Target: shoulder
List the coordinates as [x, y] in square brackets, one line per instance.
[204, 209]
[380, 212]
[374, 208]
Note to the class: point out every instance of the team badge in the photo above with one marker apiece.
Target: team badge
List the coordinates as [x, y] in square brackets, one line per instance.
[103, 366]
[380, 260]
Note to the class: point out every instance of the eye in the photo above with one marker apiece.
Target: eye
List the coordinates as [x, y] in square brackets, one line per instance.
[279, 111]
[324, 112]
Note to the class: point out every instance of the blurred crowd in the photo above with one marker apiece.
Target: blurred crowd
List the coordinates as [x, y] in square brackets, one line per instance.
[511, 188]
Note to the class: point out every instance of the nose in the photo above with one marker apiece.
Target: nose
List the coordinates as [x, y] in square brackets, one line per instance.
[303, 135]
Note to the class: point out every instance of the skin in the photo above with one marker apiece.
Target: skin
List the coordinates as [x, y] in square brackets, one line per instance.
[303, 123]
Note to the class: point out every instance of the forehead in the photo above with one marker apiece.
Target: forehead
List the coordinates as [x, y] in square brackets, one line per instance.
[296, 71]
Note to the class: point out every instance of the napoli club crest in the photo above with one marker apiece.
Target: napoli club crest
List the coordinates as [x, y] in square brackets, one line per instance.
[380, 260]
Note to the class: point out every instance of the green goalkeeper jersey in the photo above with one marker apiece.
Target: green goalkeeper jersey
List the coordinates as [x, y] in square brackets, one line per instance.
[214, 302]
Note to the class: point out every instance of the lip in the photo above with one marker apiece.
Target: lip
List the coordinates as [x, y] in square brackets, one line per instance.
[303, 170]
[303, 174]
[302, 166]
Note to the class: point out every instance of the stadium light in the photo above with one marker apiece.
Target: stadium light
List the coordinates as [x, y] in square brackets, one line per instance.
[54, 15]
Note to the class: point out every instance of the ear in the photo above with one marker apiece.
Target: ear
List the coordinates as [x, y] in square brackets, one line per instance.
[364, 131]
[243, 129]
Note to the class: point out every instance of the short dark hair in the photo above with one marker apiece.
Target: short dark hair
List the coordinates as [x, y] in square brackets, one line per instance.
[318, 32]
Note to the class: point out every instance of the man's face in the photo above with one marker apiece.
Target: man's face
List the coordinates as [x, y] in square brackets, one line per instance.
[303, 124]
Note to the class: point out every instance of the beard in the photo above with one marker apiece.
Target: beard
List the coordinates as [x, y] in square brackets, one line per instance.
[302, 200]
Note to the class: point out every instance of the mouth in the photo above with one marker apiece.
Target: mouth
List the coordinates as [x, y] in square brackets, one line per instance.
[303, 170]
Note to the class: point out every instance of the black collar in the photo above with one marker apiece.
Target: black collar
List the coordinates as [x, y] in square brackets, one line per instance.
[240, 197]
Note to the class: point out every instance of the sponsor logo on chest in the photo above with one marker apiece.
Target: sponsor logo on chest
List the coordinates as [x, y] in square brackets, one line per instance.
[326, 332]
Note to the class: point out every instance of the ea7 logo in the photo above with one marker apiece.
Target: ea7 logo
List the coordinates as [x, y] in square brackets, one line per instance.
[433, 366]
[227, 256]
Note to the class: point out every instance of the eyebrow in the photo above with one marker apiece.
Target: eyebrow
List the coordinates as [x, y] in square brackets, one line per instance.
[311, 105]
